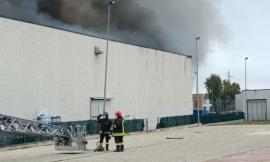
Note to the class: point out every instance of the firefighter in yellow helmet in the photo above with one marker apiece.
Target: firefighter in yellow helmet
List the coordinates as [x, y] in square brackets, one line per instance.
[118, 131]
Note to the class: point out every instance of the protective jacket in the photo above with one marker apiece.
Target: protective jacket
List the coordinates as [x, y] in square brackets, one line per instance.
[105, 124]
[118, 127]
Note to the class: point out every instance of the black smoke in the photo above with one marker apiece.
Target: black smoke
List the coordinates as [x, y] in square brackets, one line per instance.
[126, 16]
[170, 25]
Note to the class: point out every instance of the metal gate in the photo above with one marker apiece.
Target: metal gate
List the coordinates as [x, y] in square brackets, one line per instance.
[256, 110]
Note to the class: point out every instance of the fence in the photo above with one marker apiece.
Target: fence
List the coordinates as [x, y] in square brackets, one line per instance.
[11, 139]
[215, 118]
[173, 121]
[92, 127]
[223, 105]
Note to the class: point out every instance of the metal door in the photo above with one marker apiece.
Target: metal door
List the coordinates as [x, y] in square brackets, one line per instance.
[256, 110]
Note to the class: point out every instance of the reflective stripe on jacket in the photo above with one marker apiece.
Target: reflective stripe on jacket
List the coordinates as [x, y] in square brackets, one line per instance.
[118, 127]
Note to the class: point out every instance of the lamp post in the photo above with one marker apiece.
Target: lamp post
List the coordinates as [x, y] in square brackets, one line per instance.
[213, 107]
[197, 81]
[245, 102]
[110, 3]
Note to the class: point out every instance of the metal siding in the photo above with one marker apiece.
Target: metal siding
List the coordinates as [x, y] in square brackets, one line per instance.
[257, 110]
[57, 72]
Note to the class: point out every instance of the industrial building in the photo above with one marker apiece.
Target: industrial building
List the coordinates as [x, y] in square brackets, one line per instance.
[61, 73]
[255, 104]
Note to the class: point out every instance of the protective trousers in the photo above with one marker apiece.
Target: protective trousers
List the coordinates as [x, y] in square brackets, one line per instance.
[119, 143]
[107, 137]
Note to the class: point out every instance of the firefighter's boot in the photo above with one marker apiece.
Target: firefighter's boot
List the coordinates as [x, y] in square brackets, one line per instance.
[122, 148]
[107, 147]
[118, 148]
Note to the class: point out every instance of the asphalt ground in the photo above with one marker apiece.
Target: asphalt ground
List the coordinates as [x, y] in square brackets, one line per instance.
[228, 143]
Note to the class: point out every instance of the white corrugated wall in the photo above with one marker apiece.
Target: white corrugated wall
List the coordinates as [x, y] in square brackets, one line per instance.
[56, 72]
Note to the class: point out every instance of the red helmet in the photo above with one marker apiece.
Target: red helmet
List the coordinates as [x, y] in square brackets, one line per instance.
[118, 114]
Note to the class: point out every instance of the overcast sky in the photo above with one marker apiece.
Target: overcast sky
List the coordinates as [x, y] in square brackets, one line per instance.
[249, 27]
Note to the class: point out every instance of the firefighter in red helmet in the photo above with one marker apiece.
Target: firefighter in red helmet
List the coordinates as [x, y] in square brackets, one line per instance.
[118, 131]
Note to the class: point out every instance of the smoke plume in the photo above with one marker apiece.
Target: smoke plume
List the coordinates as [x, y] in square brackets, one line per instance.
[170, 25]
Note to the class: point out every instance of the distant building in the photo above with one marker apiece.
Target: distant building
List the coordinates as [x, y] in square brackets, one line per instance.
[203, 102]
[255, 105]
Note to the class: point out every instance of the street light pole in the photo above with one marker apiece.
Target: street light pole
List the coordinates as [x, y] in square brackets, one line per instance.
[213, 107]
[110, 3]
[220, 109]
[245, 102]
[197, 81]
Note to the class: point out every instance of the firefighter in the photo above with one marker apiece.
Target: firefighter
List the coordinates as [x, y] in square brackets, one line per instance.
[105, 126]
[118, 131]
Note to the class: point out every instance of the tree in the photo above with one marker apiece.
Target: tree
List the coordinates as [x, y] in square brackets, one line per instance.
[228, 94]
[213, 85]
[230, 89]
[220, 91]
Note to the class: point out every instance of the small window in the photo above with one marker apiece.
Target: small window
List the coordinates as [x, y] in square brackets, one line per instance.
[96, 106]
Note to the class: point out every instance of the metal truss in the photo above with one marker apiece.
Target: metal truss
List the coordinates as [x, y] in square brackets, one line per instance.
[68, 138]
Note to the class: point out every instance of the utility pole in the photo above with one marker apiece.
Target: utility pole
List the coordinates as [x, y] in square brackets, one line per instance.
[245, 102]
[229, 75]
[197, 81]
[110, 3]
[213, 107]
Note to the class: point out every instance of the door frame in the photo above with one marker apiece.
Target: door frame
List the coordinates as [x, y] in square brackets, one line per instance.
[96, 99]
